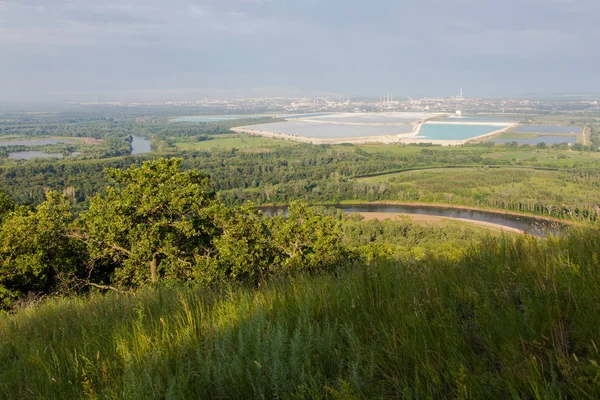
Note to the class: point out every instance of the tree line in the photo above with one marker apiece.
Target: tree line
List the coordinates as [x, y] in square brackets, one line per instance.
[311, 173]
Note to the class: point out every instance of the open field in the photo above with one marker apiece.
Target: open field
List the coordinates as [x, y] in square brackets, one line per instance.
[446, 171]
[237, 141]
[546, 139]
[498, 155]
[39, 141]
[495, 188]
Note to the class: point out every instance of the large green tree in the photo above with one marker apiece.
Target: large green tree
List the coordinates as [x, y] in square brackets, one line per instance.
[36, 252]
[154, 221]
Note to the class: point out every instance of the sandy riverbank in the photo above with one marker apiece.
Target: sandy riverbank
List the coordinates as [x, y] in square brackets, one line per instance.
[466, 208]
[367, 216]
[88, 140]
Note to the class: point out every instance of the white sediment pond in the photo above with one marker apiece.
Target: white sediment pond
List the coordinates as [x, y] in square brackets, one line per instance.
[374, 119]
[358, 128]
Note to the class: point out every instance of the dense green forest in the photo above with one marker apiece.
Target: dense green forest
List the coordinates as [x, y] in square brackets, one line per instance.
[542, 184]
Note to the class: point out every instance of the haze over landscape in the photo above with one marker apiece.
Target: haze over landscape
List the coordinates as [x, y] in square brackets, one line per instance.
[320, 199]
[155, 50]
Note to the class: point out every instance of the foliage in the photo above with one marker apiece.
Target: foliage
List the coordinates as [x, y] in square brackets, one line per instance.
[562, 194]
[307, 241]
[36, 254]
[243, 251]
[405, 240]
[154, 217]
[513, 317]
[281, 174]
[154, 224]
[6, 205]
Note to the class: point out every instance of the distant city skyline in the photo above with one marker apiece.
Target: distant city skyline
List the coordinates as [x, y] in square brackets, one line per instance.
[141, 50]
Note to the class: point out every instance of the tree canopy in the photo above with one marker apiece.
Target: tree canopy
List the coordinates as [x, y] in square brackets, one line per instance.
[155, 223]
[36, 253]
[153, 216]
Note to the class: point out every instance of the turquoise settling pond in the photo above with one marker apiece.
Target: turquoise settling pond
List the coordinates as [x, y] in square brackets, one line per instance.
[455, 132]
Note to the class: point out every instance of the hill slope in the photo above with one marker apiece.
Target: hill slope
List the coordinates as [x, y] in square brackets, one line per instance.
[514, 317]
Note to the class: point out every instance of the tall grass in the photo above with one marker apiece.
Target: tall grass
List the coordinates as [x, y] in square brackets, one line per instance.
[513, 318]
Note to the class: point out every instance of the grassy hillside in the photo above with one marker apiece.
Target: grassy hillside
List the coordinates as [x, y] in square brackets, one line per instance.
[514, 317]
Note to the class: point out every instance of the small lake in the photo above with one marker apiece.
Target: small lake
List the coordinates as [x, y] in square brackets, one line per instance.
[546, 139]
[32, 142]
[530, 225]
[572, 129]
[28, 155]
[454, 131]
[140, 145]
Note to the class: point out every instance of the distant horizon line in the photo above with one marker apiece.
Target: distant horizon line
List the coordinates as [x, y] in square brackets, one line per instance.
[131, 98]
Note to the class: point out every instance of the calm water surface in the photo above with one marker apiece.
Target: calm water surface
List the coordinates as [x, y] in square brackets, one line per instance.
[140, 145]
[530, 225]
[573, 129]
[455, 132]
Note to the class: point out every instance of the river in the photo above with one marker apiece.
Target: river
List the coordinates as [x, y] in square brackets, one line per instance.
[531, 225]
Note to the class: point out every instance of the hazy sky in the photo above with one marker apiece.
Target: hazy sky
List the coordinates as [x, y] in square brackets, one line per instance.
[158, 49]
